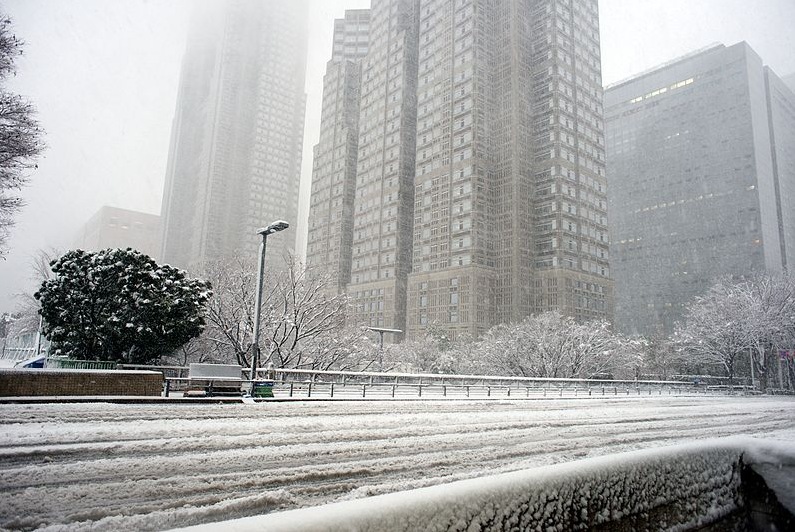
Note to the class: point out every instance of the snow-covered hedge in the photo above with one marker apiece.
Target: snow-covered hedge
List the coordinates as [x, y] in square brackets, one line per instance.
[669, 488]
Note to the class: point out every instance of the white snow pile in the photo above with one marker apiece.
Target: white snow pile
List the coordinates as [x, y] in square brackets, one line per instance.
[670, 488]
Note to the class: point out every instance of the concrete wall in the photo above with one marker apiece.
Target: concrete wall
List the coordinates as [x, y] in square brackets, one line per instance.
[51, 382]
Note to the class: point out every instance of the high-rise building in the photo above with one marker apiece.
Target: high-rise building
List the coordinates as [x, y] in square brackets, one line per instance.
[235, 158]
[112, 227]
[790, 81]
[510, 192]
[330, 235]
[384, 194]
[481, 191]
[701, 159]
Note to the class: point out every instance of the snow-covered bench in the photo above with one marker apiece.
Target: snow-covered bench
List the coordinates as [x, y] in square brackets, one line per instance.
[206, 380]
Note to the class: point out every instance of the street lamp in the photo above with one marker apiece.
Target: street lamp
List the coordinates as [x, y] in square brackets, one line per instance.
[275, 227]
[381, 331]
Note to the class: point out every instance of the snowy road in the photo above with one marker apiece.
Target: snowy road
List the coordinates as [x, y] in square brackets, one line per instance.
[150, 467]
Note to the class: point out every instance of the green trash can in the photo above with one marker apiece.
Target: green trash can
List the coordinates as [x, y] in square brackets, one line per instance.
[263, 389]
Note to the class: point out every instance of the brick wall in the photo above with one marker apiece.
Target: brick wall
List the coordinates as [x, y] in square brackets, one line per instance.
[50, 382]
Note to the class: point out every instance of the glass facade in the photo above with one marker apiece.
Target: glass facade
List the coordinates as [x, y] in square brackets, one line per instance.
[693, 189]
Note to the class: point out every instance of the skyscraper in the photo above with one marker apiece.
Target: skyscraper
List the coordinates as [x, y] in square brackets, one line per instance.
[235, 155]
[481, 193]
[790, 81]
[384, 197]
[510, 194]
[701, 158]
[330, 235]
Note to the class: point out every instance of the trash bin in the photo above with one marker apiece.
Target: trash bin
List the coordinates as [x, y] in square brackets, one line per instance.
[263, 389]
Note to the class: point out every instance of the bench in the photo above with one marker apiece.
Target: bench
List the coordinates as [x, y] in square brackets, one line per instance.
[208, 380]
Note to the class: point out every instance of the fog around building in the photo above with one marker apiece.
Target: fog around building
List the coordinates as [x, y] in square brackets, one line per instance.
[104, 77]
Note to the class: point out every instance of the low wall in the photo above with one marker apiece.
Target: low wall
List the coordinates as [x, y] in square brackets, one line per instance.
[670, 488]
[55, 382]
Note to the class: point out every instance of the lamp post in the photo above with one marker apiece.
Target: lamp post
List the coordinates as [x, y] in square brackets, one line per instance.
[275, 227]
[381, 331]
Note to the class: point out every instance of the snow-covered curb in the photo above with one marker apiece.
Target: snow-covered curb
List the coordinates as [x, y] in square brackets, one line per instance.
[670, 488]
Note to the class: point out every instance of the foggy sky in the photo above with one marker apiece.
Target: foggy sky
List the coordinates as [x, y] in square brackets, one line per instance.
[104, 78]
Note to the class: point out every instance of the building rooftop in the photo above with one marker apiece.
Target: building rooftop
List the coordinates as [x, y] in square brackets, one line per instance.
[711, 47]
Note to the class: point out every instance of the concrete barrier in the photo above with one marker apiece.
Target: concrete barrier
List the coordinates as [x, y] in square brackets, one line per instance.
[684, 487]
[70, 382]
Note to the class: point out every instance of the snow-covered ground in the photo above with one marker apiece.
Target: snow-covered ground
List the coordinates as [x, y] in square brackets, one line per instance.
[677, 487]
[149, 467]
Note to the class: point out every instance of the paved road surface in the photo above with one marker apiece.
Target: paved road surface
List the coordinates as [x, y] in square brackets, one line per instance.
[152, 467]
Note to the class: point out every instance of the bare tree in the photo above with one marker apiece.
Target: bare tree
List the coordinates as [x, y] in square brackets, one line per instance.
[660, 357]
[737, 320]
[200, 350]
[769, 321]
[715, 331]
[300, 311]
[26, 314]
[303, 321]
[433, 352]
[20, 135]
[349, 348]
[552, 345]
[230, 311]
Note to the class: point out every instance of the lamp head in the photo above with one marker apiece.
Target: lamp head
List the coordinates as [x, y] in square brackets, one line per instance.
[275, 227]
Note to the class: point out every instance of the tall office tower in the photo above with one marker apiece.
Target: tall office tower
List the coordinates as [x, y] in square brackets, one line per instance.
[330, 238]
[235, 157]
[790, 81]
[510, 194]
[701, 158]
[384, 196]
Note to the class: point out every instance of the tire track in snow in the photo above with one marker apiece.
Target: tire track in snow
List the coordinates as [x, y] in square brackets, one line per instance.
[312, 453]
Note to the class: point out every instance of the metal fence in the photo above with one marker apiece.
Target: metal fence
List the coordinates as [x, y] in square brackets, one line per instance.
[68, 363]
[306, 383]
[295, 383]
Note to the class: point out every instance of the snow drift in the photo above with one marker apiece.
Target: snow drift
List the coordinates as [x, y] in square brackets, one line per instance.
[670, 488]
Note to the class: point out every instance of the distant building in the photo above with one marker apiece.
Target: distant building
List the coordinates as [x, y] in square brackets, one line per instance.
[790, 81]
[235, 158]
[112, 227]
[701, 164]
[480, 188]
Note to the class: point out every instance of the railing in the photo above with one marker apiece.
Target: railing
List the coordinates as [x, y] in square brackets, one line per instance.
[372, 377]
[299, 383]
[350, 390]
[68, 363]
[296, 383]
[18, 353]
[167, 371]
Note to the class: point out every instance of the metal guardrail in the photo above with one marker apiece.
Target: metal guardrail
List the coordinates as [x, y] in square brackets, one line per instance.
[385, 390]
[300, 383]
[440, 378]
[68, 363]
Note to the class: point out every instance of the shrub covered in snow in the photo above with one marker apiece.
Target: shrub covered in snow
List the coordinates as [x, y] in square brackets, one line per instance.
[120, 305]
